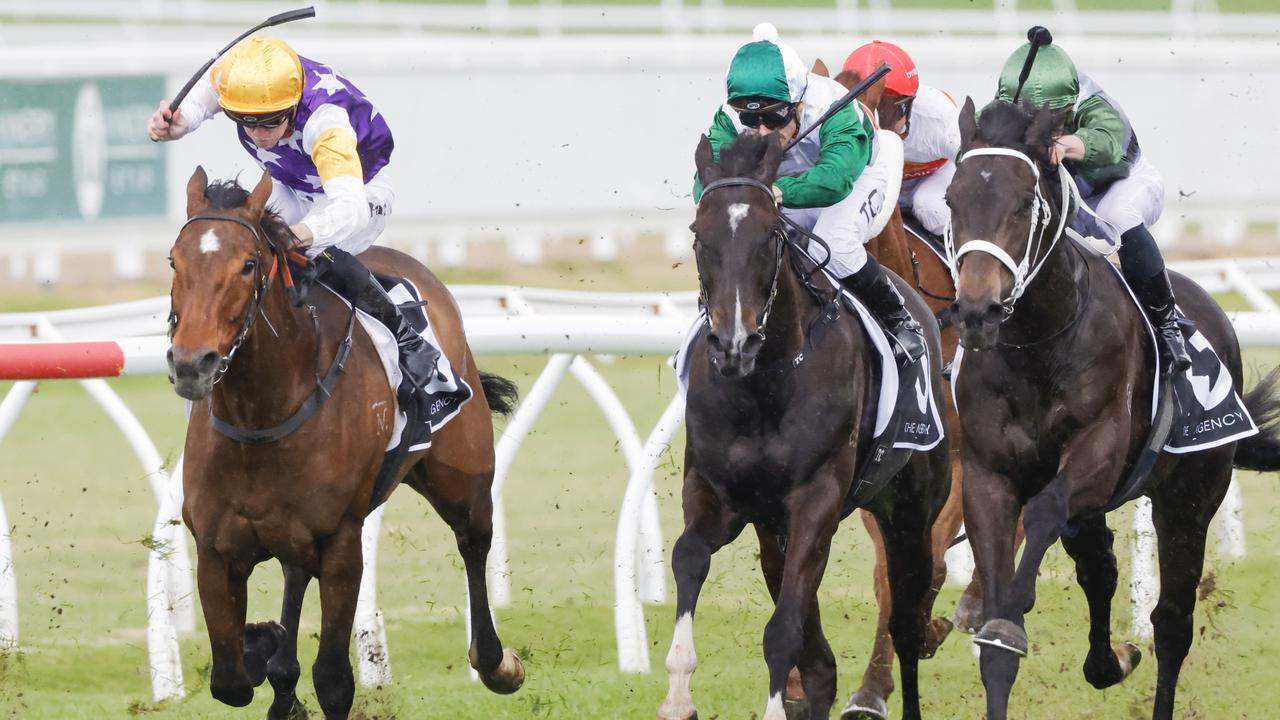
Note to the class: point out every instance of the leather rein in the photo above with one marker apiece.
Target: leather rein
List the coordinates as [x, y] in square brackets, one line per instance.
[324, 386]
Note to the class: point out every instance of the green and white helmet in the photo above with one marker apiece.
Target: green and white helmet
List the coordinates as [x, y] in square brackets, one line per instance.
[1053, 78]
[766, 68]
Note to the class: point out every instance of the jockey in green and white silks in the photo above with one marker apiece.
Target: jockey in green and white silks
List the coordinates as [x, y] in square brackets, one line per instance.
[833, 183]
[1101, 152]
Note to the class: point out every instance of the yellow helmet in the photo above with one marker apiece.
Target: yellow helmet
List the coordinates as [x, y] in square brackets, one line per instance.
[259, 75]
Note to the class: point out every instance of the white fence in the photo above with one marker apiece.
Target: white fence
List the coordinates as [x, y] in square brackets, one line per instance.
[570, 327]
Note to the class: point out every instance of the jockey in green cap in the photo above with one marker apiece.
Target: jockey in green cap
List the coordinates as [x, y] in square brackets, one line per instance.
[1115, 179]
[835, 182]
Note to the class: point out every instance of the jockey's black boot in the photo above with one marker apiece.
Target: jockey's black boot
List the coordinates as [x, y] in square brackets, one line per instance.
[1143, 267]
[353, 281]
[874, 288]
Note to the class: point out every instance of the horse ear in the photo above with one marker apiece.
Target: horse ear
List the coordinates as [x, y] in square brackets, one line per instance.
[768, 170]
[820, 68]
[708, 171]
[847, 78]
[968, 122]
[259, 197]
[1041, 132]
[196, 201]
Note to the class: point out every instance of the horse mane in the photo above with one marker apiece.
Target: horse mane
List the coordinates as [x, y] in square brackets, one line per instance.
[1003, 124]
[742, 156]
[229, 194]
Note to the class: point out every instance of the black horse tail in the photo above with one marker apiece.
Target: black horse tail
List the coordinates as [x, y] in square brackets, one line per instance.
[1262, 451]
[501, 393]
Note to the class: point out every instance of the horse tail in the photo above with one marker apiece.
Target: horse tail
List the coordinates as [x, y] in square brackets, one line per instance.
[1262, 451]
[500, 392]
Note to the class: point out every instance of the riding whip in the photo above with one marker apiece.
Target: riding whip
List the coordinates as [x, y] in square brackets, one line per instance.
[838, 105]
[1038, 36]
[278, 19]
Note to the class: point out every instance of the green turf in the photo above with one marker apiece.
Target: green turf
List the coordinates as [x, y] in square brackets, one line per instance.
[80, 511]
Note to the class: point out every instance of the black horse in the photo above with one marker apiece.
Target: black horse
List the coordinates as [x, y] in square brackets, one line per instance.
[1054, 396]
[776, 431]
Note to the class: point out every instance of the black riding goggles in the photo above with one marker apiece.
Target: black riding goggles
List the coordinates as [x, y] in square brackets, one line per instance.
[267, 120]
[772, 117]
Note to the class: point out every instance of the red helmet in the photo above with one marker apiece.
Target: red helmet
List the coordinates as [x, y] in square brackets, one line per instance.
[902, 78]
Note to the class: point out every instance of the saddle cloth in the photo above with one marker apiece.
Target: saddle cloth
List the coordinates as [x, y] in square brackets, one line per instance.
[905, 406]
[445, 395]
[1207, 411]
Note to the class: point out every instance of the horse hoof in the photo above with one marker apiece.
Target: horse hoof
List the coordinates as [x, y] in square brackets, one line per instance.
[865, 706]
[1113, 668]
[233, 695]
[796, 709]
[261, 640]
[968, 617]
[508, 677]
[1003, 635]
[934, 636]
[670, 711]
[1128, 655]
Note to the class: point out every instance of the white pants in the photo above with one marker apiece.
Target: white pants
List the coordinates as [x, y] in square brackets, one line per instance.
[294, 206]
[1127, 203]
[850, 223]
[926, 198]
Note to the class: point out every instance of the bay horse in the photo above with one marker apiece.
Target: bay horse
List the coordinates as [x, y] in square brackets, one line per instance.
[1054, 391]
[303, 497]
[912, 259]
[775, 431]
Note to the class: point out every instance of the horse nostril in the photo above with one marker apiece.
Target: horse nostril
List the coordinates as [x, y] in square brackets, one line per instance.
[715, 342]
[208, 362]
[752, 344]
[994, 313]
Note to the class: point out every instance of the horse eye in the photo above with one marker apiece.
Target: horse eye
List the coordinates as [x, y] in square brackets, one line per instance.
[170, 259]
[249, 266]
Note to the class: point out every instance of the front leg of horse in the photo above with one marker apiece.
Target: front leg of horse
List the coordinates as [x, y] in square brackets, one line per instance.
[813, 512]
[708, 526]
[283, 669]
[223, 597]
[341, 566]
[1090, 547]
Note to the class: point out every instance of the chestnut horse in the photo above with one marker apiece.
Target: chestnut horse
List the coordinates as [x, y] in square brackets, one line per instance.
[1054, 389]
[302, 496]
[781, 409]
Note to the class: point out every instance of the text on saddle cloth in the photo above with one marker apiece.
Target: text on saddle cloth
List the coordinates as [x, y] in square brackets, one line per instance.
[905, 393]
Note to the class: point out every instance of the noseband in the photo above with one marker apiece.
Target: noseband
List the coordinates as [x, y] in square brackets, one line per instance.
[1041, 213]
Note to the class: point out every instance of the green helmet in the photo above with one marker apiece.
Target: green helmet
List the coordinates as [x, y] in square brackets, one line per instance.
[766, 68]
[1053, 78]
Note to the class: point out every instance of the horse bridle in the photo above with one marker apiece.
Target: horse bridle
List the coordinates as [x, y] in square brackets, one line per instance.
[260, 287]
[1041, 213]
[775, 231]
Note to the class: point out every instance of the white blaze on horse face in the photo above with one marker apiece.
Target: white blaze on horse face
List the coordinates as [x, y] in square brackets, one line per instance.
[209, 242]
[737, 211]
[681, 662]
[739, 330]
[986, 175]
[774, 710]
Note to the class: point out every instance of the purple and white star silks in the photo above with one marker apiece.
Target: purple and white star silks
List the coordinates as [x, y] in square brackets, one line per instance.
[289, 164]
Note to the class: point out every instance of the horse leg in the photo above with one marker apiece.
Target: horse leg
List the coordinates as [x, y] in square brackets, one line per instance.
[991, 515]
[341, 565]
[283, 669]
[815, 671]
[870, 700]
[465, 502]
[1090, 547]
[708, 526]
[223, 597]
[1181, 512]
[813, 509]
[969, 613]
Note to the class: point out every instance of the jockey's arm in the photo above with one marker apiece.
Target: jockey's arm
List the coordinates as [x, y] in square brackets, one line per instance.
[1101, 133]
[199, 105]
[845, 151]
[331, 142]
[722, 131]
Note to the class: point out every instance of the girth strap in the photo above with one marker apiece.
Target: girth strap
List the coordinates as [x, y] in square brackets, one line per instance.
[324, 388]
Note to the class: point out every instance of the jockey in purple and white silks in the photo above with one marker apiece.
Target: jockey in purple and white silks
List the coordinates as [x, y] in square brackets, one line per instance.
[325, 146]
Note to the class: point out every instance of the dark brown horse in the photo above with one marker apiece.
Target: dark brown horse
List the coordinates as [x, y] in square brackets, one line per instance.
[776, 431]
[1054, 390]
[243, 352]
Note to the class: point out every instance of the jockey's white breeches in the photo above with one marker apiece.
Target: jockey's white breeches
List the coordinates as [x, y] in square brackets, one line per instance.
[294, 206]
[926, 198]
[1127, 203]
[850, 223]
